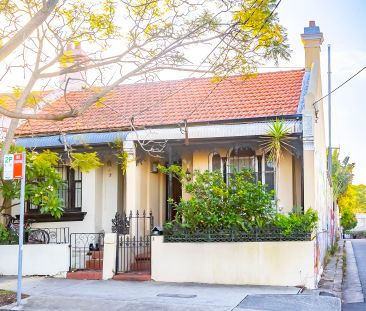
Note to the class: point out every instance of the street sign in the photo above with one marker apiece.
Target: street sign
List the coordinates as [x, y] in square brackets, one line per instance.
[8, 166]
[18, 166]
[13, 166]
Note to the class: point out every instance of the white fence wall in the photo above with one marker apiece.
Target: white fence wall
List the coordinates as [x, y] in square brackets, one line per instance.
[38, 259]
[252, 263]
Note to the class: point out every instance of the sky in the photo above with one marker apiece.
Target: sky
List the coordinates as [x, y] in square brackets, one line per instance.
[343, 24]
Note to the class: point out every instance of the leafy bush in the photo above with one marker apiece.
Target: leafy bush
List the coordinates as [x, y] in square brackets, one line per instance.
[241, 204]
[6, 236]
[297, 223]
[217, 205]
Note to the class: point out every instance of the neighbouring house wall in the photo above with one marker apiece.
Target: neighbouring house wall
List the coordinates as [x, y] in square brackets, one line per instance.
[240, 263]
[38, 259]
[361, 222]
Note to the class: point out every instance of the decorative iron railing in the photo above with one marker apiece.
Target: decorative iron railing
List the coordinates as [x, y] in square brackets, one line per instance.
[134, 241]
[86, 251]
[51, 235]
[254, 235]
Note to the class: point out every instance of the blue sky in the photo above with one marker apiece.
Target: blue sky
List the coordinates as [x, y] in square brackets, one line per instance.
[343, 24]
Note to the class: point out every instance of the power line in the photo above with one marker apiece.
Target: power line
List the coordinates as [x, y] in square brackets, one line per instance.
[339, 86]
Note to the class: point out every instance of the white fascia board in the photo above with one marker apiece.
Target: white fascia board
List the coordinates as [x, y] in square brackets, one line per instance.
[210, 131]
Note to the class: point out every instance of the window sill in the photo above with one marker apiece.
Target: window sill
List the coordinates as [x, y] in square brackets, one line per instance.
[66, 216]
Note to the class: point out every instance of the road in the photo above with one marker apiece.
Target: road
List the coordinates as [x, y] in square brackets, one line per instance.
[359, 250]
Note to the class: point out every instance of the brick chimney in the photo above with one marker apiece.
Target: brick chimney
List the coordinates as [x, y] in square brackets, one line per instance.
[312, 39]
[76, 80]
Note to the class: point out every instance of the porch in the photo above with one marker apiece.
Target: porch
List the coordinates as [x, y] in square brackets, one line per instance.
[223, 154]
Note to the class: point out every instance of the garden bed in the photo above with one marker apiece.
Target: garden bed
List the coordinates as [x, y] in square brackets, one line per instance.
[8, 297]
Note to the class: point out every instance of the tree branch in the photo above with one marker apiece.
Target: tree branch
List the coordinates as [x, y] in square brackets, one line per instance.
[28, 28]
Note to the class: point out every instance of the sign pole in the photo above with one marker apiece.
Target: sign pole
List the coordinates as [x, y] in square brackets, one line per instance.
[21, 232]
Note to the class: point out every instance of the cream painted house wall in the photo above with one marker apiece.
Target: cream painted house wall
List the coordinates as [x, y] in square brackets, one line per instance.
[285, 184]
[240, 263]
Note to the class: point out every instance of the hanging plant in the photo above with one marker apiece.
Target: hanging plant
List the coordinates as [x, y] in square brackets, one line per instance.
[85, 161]
[121, 155]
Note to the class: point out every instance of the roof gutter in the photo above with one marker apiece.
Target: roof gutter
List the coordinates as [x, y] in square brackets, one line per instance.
[70, 139]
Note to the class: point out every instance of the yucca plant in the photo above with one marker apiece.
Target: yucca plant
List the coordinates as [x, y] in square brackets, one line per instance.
[276, 142]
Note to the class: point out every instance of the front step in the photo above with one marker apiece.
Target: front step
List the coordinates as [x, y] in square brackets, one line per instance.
[94, 264]
[85, 275]
[140, 265]
[142, 276]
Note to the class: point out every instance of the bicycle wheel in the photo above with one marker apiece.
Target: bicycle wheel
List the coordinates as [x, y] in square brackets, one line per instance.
[38, 236]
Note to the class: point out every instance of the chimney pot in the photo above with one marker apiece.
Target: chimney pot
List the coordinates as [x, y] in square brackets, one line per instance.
[312, 39]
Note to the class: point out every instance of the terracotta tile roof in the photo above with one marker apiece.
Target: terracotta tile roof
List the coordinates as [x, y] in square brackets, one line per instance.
[170, 102]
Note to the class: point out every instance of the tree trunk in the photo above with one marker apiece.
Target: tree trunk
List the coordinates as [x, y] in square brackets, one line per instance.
[8, 140]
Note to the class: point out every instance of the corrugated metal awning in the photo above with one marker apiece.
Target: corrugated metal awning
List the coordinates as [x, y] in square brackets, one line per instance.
[70, 139]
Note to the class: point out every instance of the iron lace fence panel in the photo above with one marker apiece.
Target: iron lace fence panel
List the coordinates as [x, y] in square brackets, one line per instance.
[134, 241]
[55, 235]
[254, 235]
[86, 251]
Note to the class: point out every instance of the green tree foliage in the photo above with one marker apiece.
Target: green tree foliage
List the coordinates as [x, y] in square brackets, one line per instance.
[342, 172]
[153, 36]
[360, 194]
[42, 184]
[343, 191]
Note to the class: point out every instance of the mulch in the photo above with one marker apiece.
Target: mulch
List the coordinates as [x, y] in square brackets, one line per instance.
[8, 297]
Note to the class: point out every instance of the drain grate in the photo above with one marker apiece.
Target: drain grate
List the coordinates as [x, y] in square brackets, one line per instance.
[176, 295]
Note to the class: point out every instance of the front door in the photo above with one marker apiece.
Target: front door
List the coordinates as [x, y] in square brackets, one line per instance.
[176, 194]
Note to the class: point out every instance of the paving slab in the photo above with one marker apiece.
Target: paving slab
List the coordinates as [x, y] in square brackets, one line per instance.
[289, 303]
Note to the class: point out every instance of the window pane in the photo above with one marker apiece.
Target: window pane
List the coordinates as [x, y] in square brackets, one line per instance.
[216, 162]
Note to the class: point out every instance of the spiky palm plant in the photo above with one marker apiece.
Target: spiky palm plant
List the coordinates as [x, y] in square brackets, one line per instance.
[276, 141]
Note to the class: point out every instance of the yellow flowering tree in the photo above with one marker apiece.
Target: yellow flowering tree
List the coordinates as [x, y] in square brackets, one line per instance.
[125, 39]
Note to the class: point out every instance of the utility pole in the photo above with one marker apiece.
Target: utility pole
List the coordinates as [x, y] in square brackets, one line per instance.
[329, 117]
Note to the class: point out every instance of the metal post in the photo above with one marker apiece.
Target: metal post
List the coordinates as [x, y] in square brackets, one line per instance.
[329, 118]
[21, 232]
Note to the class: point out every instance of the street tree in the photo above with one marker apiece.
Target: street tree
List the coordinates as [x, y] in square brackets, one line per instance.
[134, 40]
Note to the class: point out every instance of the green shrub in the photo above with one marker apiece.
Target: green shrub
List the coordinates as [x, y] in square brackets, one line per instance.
[217, 205]
[6, 236]
[241, 204]
[297, 223]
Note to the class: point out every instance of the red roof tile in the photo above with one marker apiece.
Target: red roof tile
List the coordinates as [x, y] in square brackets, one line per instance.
[170, 102]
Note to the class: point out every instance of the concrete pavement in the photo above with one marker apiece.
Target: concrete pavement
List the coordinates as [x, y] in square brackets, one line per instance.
[62, 294]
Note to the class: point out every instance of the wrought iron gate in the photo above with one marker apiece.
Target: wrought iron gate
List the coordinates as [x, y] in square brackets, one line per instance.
[86, 251]
[133, 241]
